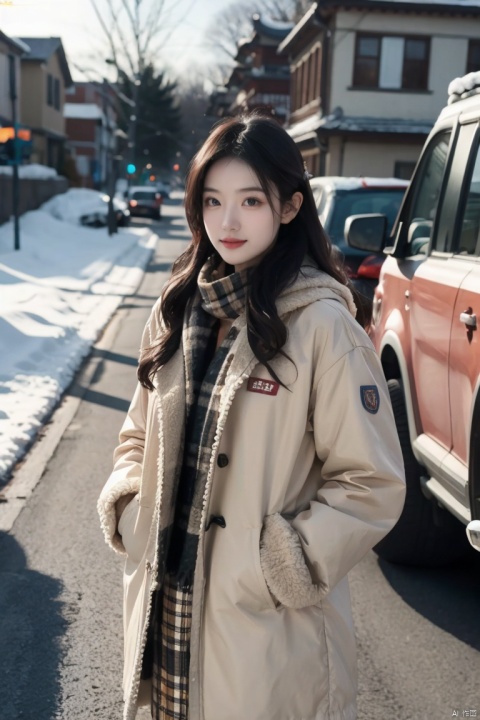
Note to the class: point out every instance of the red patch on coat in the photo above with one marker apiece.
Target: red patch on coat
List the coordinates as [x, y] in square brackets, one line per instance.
[265, 387]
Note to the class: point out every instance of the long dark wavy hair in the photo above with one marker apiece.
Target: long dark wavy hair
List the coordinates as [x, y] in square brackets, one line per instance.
[274, 157]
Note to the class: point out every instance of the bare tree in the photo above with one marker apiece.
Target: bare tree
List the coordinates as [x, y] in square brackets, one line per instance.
[234, 23]
[137, 30]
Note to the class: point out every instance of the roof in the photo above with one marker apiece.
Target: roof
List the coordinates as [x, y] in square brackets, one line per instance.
[338, 123]
[322, 8]
[451, 6]
[14, 43]
[276, 29]
[82, 111]
[41, 49]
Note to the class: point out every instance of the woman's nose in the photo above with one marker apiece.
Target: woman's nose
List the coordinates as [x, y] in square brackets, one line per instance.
[230, 220]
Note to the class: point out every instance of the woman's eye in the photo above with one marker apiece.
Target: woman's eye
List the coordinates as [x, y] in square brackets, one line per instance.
[252, 202]
[211, 202]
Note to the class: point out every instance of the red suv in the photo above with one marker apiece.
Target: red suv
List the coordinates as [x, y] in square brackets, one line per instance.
[426, 312]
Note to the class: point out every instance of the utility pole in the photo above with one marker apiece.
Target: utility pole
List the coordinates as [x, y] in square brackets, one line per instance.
[15, 184]
[132, 124]
[110, 180]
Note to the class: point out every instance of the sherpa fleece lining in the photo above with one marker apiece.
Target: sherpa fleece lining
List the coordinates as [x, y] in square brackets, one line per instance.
[286, 573]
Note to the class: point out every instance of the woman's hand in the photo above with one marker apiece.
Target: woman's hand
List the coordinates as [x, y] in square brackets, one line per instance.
[121, 504]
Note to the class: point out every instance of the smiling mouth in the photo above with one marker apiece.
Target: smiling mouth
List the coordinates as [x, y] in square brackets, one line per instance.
[232, 243]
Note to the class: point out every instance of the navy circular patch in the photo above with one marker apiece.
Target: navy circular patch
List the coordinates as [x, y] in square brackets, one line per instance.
[370, 398]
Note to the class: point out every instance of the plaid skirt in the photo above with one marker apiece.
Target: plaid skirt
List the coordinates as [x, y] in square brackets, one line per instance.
[171, 653]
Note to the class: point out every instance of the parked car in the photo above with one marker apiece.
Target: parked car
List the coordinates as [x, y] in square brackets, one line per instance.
[425, 328]
[143, 200]
[337, 198]
[87, 207]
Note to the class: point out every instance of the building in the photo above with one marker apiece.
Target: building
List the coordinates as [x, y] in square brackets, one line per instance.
[45, 75]
[11, 50]
[369, 77]
[91, 126]
[261, 77]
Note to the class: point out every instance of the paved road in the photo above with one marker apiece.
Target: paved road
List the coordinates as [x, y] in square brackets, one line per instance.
[60, 586]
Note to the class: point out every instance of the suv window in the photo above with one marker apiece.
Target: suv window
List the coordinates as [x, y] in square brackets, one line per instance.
[420, 217]
[468, 242]
[361, 201]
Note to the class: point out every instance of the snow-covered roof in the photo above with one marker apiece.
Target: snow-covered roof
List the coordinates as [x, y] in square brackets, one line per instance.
[271, 28]
[82, 111]
[338, 122]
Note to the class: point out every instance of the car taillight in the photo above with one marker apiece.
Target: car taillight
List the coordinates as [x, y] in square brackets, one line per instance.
[158, 199]
[370, 267]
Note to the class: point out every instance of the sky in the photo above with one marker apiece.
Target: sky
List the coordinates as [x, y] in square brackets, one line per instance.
[76, 23]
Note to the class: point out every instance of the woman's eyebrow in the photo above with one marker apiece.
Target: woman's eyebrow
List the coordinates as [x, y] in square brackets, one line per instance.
[240, 190]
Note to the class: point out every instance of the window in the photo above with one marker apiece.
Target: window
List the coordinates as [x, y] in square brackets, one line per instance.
[473, 59]
[56, 96]
[305, 80]
[50, 90]
[391, 62]
[468, 242]
[425, 193]
[403, 169]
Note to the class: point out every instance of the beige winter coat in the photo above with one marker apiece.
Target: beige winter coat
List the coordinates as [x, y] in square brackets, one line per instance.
[307, 480]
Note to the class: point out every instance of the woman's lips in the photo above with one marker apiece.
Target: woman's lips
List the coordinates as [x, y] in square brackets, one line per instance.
[232, 243]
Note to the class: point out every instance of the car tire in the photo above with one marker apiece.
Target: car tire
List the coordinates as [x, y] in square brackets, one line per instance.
[426, 535]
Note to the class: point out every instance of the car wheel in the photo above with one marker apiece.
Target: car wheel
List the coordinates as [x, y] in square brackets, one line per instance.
[426, 535]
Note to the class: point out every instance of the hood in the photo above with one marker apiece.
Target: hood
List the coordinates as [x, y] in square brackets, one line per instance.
[311, 285]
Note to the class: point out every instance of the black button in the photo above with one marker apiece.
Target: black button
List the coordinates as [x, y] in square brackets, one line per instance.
[217, 520]
[222, 460]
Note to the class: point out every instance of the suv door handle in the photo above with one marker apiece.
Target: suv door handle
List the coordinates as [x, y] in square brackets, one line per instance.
[469, 318]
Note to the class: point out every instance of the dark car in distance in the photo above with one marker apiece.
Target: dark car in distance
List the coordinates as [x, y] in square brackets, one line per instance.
[145, 201]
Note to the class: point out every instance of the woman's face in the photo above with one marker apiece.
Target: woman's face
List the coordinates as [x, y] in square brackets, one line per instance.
[240, 223]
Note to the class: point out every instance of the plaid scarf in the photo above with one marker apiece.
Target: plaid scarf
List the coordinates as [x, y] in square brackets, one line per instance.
[205, 370]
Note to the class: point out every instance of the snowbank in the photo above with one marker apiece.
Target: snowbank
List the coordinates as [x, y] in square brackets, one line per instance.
[56, 294]
[30, 172]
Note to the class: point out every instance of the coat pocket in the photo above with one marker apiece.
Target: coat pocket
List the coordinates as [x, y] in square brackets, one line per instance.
[134, 527]
[262, 585]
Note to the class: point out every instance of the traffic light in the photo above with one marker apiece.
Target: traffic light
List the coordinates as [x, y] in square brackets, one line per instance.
[131, 169]
[8, 152]
[176, 167]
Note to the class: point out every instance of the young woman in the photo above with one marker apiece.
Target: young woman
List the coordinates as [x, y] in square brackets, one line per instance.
[259, 460]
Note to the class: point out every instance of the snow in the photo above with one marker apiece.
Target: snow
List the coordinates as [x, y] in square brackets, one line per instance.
[75, 203]
[463, 85]
[82, 111]
[30, 172]
[56, 295]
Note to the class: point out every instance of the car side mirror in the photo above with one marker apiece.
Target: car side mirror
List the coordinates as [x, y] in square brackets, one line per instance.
[366, 232]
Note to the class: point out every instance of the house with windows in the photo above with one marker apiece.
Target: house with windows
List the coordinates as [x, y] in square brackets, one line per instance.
[261, 77]
[91, 115]
[45, 75]
[369, 77]
[11, 50]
